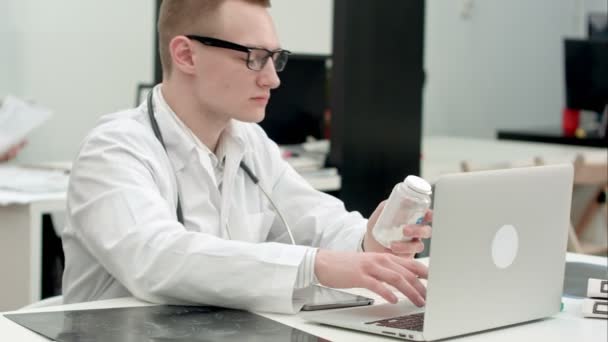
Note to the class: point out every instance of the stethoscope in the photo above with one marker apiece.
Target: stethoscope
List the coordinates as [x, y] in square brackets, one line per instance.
[252, 176]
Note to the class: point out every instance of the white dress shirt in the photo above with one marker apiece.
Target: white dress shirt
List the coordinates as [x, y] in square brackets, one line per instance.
[306, 274]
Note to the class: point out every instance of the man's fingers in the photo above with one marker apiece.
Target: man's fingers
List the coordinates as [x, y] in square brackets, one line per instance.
[405, 255]
[412, 279]
[428, 217]
[407, 247]
[416, 267]
[378, 287]
[417, 284]
[402, 281]
[402, 274]
[417, 231]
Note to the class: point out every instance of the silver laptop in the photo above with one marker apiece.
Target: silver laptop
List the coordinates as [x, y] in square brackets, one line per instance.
[497, 257]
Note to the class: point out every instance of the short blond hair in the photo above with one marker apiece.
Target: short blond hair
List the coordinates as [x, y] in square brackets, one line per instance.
[178, 17]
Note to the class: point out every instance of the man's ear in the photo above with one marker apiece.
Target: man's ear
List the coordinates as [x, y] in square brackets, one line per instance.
[182, 54]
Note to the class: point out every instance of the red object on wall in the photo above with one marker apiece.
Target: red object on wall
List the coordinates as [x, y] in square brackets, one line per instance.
[570, 121]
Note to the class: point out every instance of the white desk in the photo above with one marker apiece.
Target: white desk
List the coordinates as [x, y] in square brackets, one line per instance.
[568, 325]
[441, 155]
[21, 249]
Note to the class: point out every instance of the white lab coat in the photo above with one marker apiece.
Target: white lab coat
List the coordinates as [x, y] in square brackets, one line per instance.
[122, 237]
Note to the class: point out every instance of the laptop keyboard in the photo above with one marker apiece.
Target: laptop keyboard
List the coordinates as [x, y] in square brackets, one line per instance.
[408, 322]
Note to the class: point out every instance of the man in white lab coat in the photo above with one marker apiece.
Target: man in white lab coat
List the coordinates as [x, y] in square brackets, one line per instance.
[123, 237]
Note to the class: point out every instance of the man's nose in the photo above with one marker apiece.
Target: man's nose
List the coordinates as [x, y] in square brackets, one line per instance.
[268, 76]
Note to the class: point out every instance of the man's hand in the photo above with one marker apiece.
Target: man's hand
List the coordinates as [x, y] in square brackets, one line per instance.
[12, 152]
[340, 269]
[402, 248]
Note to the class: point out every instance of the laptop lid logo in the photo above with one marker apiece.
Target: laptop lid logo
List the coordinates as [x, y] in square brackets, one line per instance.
[505, 246]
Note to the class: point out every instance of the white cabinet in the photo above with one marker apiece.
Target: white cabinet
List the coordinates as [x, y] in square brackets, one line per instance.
[304, 27]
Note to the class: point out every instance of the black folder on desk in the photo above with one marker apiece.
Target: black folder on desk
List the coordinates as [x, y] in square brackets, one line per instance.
[159, 323]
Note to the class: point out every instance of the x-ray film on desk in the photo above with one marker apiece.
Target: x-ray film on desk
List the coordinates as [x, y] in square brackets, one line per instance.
[159, 323]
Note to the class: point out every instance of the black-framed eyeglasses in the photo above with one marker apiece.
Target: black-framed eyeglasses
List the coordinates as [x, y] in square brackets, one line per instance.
[256, 57]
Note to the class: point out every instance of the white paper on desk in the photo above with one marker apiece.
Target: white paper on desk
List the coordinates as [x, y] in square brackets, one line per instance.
[8, 197]
[17, 119]
[27, 180]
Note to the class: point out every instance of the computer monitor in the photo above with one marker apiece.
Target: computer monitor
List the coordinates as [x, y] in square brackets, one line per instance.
[586, 64]
[296, 108]
[597, 25]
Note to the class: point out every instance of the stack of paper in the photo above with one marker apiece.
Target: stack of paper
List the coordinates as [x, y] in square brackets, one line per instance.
[303, 159]
[17, 119]
[596, 306]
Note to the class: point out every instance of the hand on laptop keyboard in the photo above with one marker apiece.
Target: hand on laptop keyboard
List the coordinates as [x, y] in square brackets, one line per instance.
[372, 271]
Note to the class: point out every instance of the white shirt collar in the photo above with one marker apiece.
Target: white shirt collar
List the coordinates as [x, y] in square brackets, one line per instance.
[181, 143]
[218, 158]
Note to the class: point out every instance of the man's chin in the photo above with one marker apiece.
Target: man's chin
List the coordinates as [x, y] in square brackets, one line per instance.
[252, 117]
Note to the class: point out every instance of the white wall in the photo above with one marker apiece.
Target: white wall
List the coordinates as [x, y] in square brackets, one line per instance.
[304, 26]
[500, 67]
[595, 5]
[82, 59]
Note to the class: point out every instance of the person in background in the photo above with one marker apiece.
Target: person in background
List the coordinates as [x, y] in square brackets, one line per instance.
[12, 152]
[178, 219]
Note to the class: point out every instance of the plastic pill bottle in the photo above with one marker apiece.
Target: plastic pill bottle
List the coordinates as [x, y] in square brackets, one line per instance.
[407, 204]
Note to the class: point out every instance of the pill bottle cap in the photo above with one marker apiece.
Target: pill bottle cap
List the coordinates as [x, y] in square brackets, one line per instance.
[418, 184]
